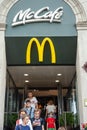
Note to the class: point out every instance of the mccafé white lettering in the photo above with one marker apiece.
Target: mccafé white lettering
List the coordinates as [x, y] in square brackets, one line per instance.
[41, 15]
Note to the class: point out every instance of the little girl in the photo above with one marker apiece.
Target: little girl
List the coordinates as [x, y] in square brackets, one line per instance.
[51, 122]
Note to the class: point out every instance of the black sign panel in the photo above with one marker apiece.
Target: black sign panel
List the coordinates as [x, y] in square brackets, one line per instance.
[41, 50]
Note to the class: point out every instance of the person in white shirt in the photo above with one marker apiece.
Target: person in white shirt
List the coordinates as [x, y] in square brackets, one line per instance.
[50, 108]
[33, 100]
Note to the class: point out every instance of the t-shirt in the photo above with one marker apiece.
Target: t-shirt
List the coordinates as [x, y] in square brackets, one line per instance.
[51, 122]
[30, 112]
[19, 122]
[51, 108]
[33, 101]
[39, 122]
[21, 127]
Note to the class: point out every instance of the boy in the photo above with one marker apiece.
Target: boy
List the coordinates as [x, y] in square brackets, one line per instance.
[23, 126]
[29, 109]
[37, 121]
[22, 112]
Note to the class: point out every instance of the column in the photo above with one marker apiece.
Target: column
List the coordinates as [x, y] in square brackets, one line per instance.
[81, 86]
[2, 76]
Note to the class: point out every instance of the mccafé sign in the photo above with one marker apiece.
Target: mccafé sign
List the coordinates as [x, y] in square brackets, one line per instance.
[42, 15]
[41, 33]
[40, 49]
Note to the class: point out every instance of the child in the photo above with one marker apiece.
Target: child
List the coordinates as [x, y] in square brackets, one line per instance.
[37, 121]
[51, 122]
[29, 109]
[61, 128]
[19, 121]
[23, 126]
[33, 100]
[51, 108]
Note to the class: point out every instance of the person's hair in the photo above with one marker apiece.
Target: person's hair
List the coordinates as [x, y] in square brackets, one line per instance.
[37, 110]
[22, 110]
[61, 128]
[30, 92]
[28, 101]
[49, 114]
[50, 102]
[24, 116]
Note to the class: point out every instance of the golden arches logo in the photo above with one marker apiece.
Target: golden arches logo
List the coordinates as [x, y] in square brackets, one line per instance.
[40, 48]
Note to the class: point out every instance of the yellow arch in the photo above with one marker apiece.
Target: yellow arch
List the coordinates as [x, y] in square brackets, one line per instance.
[53, 54]
[40, 49]
[28, 52]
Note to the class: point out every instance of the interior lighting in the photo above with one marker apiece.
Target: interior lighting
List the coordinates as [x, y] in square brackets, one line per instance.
[59, 74]
[25, 74]
[57, 81]
[26, 81]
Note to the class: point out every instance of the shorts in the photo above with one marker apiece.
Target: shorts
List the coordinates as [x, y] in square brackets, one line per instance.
[51, 128]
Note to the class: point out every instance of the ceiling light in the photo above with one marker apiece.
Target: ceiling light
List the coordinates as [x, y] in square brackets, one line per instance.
[25, 74]
[57, 81]
[26, 81]
[59, 74]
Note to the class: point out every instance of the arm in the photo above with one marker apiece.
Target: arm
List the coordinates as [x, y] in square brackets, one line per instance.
[36, 103]
[30, 125]
[17, 127]
[17, 122]
[47, 126]
[55, 110]
[42, 123]
[43, 127]
[46, 111]
[55, 125]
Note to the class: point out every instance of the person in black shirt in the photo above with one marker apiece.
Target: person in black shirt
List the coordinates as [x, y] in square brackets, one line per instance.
[37, 121]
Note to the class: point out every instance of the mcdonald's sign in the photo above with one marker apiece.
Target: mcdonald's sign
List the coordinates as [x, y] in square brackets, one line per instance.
[40, 49]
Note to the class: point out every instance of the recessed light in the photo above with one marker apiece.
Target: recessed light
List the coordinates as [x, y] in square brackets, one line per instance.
[26, 81]
[59, 74]
[57, 81]
[25, 74]
[35, 90]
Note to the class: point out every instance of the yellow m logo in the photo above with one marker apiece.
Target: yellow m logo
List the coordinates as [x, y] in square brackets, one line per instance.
[40, 49]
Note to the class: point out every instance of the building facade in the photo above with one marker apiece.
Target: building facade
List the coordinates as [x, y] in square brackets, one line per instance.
[79, 8]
